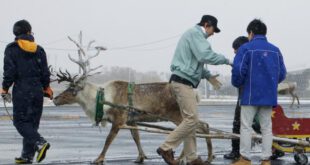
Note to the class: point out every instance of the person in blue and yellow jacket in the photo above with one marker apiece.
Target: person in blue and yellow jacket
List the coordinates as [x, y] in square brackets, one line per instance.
[258, 68]
[25, 67]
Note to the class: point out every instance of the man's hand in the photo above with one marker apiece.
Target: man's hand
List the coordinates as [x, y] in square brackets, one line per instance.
[48, 92]
[6, 96]
[230, 62]
[215, 83]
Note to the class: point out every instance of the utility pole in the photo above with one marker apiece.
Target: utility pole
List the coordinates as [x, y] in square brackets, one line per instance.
[129, 78]
[207, 90]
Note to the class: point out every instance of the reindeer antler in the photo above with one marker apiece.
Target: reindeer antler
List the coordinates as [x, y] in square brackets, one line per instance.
[83, 61]
[65, 77]
[78, 45]
[52, 72]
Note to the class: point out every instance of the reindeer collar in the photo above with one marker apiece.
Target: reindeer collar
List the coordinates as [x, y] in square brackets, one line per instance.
[130, 93]
[100, 114]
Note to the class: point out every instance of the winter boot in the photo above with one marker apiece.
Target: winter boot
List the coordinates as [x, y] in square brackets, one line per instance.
[168, 156]
[265, 162]
[41, 147]
[198, 161]
[22, 160]
[242, 161]
[232, 155]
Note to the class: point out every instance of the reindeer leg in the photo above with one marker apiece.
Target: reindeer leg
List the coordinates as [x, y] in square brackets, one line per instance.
[295, 96]
[298, 103]
[293, 99]
[181, 155]
[113, 132]
[136, 138]
[204, 128]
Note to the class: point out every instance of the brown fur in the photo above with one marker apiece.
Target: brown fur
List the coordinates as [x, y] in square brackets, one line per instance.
[154, 98]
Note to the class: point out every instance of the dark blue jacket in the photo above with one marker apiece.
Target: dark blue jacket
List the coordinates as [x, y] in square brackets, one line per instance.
[258, 68]
[25, 65]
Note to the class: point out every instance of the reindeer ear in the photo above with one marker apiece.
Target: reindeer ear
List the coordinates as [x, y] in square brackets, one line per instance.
[81, 83]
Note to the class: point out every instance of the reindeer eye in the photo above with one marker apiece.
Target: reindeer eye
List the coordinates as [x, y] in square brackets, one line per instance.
[74, 92]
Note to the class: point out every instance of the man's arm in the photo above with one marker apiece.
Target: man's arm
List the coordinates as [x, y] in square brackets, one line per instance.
[45, 79]
[203, 52]
[206, 73]
[9, 70]
[240, 68]
[282, 69]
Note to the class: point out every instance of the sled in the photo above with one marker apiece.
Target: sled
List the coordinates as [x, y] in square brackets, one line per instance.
[290, 135]
[290, 128]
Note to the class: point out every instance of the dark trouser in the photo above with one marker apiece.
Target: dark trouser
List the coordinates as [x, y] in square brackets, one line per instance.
[235, 143]
[27, 111]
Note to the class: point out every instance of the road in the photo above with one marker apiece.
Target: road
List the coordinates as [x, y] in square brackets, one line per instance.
[75, 141]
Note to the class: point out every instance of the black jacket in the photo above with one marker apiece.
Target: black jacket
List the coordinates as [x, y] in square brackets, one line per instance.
[25, 64]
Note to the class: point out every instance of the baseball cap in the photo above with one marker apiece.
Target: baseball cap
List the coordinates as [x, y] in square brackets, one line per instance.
[211, 20]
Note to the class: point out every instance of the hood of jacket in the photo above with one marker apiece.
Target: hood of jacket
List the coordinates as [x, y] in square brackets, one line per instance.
[200, 29]
[26, 43]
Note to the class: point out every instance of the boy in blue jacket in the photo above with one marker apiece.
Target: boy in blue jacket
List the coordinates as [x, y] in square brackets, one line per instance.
[234, 154]
[235, 143]
[258, 68]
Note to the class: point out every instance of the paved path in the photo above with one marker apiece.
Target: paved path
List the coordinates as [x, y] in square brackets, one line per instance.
[75, 141]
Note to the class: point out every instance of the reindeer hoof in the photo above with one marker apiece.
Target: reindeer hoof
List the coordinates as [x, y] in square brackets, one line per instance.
[140, 159]
[98, 161]
[211, 158]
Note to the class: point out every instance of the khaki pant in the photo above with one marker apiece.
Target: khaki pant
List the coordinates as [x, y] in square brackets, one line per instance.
[186, 130]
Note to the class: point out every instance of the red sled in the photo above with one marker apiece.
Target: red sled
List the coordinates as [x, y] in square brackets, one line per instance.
[293, 128]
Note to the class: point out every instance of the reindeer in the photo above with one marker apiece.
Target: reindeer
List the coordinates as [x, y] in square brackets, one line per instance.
[285, 88]
[156, 99]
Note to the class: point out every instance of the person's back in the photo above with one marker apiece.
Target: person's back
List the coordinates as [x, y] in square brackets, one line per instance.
[260, 66]
[25, 67]
[29, 65]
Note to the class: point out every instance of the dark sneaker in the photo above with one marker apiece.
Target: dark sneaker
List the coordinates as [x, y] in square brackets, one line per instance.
[41, 149]
[168, 156]
[22, 160]
[276, 154]
[232, 155]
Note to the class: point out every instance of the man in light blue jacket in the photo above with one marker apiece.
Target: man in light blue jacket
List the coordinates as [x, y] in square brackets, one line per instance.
[192, 53]
[258, 68]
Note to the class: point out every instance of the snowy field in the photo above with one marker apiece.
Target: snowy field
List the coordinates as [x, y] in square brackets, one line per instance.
[75, 141]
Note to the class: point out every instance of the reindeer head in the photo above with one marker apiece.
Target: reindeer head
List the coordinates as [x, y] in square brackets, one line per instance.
[68, 96]
[77, 82]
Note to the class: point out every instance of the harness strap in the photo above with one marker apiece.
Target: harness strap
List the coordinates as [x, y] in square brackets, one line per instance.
[130, 93]
[131, 109]
[100, 102]
[99, 106]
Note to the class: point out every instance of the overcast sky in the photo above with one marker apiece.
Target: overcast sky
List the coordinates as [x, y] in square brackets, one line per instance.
[142, 34]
